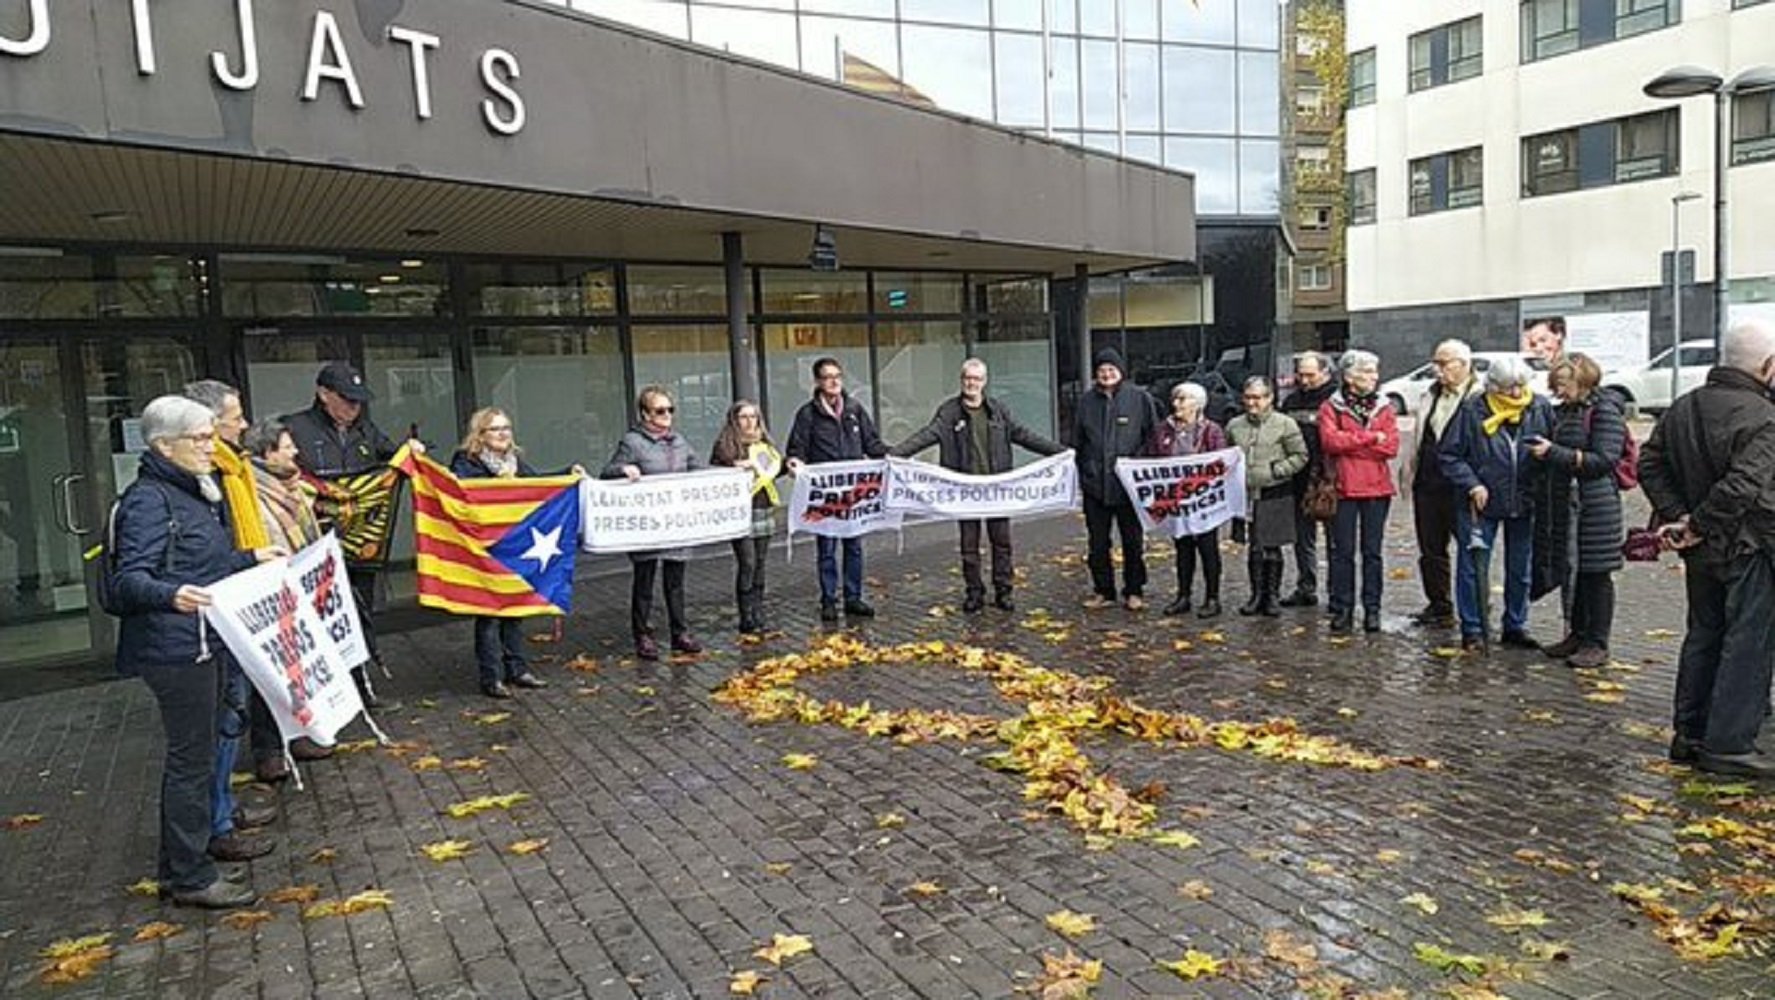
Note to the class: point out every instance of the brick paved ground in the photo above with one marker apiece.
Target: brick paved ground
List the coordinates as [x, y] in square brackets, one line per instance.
[669, 818]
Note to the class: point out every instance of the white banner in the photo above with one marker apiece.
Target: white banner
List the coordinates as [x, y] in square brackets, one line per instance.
[293, 627]
[841, 499]
[923, 490]
[1186, 496]
[665, 512]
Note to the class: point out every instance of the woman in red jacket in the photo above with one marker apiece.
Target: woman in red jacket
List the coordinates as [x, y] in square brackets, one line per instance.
[1360, 436]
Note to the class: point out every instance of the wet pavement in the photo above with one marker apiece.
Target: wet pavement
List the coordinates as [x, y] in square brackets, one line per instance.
[1500, 824]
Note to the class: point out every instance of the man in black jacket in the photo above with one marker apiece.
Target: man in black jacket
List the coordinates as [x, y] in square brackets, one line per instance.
[336, 437]
[974, 433]
[1313, 385]
[833, 427]
[1434, 499]
[1115, 420]
[1709, 471]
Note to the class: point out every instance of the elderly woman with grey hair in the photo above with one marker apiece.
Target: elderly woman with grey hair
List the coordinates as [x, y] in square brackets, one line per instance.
[1359, 434]
[172, 538]
[1188, 431]
[1487, 457]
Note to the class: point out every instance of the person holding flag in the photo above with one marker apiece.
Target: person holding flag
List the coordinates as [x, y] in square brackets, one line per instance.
[653, 448]
[744, 442]
[490, 451]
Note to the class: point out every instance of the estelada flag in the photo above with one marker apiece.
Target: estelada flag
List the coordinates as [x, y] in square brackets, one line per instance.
[500, 547]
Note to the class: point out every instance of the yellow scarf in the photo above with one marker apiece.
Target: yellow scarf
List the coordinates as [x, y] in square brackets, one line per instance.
[242, 495]
[1506, 409]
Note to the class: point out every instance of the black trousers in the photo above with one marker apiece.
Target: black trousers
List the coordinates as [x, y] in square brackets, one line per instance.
[363, 591]
[1722, 675]
[1306, 550]
[998, 532]
[262, 735]
[748, 572]
[188, 694]
[1593, 608]
[1098, 517]
[1204, 547]
[641, 596]
[1367, 519]
[1433, 515]
[499, 649]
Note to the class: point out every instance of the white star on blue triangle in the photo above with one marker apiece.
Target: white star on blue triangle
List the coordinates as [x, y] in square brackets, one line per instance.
[533, 547]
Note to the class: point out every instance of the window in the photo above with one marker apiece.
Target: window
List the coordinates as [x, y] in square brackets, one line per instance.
[1361, 78]
[1753, 128]
[1312, 161]
[1555, 27]
[1601, 153]
[1309, 102]
[1447, 54]
[1448, 180]
[1747, 3]
[1362, 197]
[1315, 218]
[1315, 277]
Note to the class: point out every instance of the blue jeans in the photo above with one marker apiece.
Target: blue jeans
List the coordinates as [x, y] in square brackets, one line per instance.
[1369, 519]
[853, 569]
[231, 725]
[1518, 572]
[186, 693]
[499, 649]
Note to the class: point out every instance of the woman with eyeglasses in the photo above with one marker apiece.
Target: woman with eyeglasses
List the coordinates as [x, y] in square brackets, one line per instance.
[745, 443]
[172, 537]
[653, 448]
[490, 451]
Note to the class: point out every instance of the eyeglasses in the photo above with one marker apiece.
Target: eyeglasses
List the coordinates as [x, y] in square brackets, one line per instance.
[660, 411]
[745, 416]
[1253, 397]
[829, 375]
[199, 439]
[499, 428]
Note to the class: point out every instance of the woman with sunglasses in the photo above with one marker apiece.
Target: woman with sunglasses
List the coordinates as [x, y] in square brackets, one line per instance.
[490, 451]
[652, 448]
[745, 442]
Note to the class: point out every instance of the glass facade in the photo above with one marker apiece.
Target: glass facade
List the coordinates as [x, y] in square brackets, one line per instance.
[1169, 82]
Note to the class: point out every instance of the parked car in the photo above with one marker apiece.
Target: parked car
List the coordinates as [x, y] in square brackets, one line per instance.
[1407, 391]
[1647, 387]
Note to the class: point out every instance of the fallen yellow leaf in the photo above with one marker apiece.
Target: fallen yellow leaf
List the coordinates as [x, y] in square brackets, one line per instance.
[1387, 856]
[1070, 924]
[1512, 919]
[924, 889]
[145, 887]
[155, 930]
[1175, 838]
[324, 856]
[1194, 965]
[461, 810]
[369, 899]
[491, 718]
[745, 984]
[1195, 889]
[73, 959]
[778, 867]
[1423, 901]
[890, 821]
[294, 894]
[246, 920]
[21, 821]
[783, 947]
[800, 761]
[446, 850]
[527, 846]
[427, 763]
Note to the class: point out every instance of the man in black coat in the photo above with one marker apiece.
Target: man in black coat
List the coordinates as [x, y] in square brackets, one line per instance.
[974, 433]
[833, 427]
[336, 437]
[1313, 385]
[1434, 500]
[1114, 421]
[1709, 471]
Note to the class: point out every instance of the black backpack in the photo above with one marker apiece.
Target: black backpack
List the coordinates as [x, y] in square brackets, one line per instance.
[106, 554]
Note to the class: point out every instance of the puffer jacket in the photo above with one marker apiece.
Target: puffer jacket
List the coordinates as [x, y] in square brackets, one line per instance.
[1585, 492]
[654, 455]
[1108, 428]
[168, 536]
[949, 431]
[1275, 451]
[1500, 462]
[1711, 458]
[1361, 466]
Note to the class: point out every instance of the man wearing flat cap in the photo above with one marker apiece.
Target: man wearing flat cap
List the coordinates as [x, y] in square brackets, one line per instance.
[336, 437]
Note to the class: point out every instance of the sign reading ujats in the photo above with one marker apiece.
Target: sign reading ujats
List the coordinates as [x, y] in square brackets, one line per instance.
[328, 61]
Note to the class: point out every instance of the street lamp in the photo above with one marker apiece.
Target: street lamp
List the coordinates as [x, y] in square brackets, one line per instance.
[1693, 81]
[1676, 288]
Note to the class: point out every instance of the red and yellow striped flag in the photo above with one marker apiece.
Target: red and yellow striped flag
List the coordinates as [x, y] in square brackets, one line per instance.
[500, 547]
[861, 74]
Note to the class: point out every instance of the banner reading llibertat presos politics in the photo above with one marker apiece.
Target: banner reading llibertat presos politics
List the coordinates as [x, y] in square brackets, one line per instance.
[922, 490]
[293, 626]
[665, 511]
[1188, 495]
[841, 499]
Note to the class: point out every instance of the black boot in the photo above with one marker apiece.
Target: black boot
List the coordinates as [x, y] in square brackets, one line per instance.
[1257, 570]
[1272, 585]
[758, 608]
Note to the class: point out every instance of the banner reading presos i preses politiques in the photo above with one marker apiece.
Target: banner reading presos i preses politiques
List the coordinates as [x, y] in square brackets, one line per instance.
[841, 499]
[922, 490]
[665, 511]
[1187, 495]
[293, 627]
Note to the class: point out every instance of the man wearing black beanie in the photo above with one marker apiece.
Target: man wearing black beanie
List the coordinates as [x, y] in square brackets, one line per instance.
[1114, 421]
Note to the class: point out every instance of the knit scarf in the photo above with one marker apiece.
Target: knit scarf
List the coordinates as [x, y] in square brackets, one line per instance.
[1506, 409]
[282, 500]
[1362, 406]
[502, 466]
[236, 474]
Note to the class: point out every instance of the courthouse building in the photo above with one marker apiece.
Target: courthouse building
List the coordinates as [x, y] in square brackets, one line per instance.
[489, 202]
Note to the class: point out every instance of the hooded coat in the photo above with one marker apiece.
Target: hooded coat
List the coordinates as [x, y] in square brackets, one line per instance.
[1111, 426]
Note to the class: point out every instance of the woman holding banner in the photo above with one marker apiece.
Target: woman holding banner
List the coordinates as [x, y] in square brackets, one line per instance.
[170, 538]
[1275, 450]
[653, 448]
[1188, 432]
[745, 443]
[490, 451]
